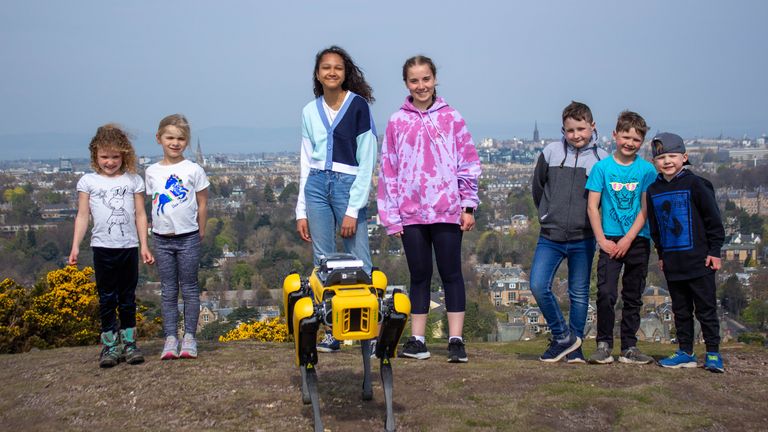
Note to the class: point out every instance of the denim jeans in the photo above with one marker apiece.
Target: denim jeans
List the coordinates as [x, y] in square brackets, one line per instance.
[327, 197]
[178, 259]
[547, 258]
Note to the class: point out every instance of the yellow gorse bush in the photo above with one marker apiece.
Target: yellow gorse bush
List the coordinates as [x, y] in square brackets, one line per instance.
[67, 313]
[266, 331]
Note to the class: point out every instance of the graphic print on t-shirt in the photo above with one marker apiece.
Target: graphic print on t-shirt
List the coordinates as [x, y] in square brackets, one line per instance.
[175, 194]
[623, 195]
[673, 213]
[114, 199]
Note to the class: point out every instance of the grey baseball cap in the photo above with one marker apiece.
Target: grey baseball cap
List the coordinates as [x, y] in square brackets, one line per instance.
[666, 142]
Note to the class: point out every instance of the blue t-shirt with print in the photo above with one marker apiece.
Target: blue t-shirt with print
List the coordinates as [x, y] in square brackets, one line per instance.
[621, 188]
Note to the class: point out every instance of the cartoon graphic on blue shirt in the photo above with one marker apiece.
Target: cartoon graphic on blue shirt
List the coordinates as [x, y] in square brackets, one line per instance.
[673, 211]
[624, 195]
[176, 194]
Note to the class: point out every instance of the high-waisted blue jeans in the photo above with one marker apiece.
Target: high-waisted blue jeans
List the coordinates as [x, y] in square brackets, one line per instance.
[178, 259]
[547, 258]
[327, 197]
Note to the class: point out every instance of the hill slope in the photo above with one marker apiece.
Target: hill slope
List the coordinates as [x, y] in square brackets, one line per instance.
[254, 386]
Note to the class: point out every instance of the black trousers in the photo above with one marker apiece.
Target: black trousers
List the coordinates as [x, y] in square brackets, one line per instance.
[445, 239]
[696, 296]
[635, 264]
[117, 273]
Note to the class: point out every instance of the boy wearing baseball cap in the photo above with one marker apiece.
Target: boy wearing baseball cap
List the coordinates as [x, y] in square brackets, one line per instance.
[688, 233]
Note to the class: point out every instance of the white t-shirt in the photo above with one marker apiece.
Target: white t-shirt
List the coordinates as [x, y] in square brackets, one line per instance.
[111, 201]
[173, 189]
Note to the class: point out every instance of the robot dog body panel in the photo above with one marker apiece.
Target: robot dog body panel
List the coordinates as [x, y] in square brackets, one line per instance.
[356, 307]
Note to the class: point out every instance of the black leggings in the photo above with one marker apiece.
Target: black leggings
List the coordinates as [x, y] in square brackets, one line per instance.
[418, 241]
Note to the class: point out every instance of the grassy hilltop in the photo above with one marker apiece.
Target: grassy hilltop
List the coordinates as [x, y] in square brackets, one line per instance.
[254, 386]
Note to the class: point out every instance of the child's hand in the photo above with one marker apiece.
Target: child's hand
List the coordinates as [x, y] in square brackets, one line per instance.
[146, 256]
[467, 221]
[348, 226]
[661, 265]
[302, 227]
[608, 246]
[73, 257]
[621, 248]
[713, 262]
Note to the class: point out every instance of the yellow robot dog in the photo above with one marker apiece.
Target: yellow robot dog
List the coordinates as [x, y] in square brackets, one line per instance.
[356, 307]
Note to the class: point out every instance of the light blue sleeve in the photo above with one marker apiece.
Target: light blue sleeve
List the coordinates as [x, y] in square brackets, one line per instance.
[595, 181]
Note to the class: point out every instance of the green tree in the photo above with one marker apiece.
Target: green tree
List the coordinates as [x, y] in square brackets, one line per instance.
[732, 296]
[756, 314]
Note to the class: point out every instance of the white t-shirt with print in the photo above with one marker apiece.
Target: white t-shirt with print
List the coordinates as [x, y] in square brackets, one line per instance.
[172, 189]
[111, 201]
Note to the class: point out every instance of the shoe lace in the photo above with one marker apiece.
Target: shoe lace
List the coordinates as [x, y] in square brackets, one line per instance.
[170, 344]
[327, 339]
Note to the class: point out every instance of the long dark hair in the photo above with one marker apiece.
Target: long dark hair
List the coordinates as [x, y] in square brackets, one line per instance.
[354, 79]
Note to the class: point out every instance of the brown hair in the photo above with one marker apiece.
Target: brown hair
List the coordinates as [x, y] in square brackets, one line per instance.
[578, 111]
[419, 60]
[628, 120]
[177, 120]
[111, 137]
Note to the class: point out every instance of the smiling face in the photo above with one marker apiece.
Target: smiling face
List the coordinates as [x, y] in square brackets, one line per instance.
[331, 72]
[174, 142]
[627, 143]
[578, 133]
[421, 84]
[669, 164]
[110, 162]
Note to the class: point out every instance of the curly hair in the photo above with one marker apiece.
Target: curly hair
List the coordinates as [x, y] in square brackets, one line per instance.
[354, 79]
[112, 137]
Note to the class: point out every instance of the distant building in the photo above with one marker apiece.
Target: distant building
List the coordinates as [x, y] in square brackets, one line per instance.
[536, 131]
[65, 165]
[199, 154]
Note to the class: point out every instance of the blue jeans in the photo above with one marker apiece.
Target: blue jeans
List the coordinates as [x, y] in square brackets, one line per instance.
[178, 259]
[327, 197]
[547, 258]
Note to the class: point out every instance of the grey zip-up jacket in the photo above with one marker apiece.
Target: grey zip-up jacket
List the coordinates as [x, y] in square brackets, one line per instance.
[559, 191]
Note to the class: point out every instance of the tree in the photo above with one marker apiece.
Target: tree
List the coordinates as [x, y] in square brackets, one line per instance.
[732, 296]
[269, 193]
[756, 314]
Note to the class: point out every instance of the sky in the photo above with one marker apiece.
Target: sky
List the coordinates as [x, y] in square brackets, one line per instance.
[241, 70]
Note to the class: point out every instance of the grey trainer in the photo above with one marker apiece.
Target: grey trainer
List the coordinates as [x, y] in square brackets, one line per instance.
[633, 355]
[602, 354]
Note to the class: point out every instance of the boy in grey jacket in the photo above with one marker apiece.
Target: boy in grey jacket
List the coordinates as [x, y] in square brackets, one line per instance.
[560, 195]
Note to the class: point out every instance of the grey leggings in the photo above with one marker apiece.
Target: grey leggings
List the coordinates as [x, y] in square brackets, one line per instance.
[178, 259]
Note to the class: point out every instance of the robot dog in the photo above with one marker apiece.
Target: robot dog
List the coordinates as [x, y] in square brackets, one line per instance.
[356, 307]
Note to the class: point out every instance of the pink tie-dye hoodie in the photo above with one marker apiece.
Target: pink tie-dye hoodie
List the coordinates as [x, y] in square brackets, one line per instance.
[429, 167]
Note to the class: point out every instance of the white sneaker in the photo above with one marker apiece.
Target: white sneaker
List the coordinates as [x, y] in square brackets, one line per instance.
[171, 349]
[188, 347]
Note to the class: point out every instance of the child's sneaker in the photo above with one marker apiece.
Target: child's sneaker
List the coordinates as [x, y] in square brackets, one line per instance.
[415, 348]
[456, 351]
[188, 347]
[602, 354]
[329, 344]
[633, 355]
[714, 362]
[110, 353]
[680, 359]
[559, 349]
[132, 353]
[171, 348]
[575, 357]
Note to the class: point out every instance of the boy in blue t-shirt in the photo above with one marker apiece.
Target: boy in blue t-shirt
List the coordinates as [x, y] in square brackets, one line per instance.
[618, 185]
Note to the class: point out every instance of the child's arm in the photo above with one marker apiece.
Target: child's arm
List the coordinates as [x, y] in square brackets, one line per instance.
[141, 228]
[539, 179]
[623, 245]
[81, 225]
[593, 211]
[653, 225]
[202, 210]
[713, 224]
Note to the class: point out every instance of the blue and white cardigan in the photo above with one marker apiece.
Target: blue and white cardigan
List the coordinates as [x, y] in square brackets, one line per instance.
[348, 145]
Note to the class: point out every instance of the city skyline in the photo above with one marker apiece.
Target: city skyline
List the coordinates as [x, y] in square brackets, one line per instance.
[241, 71]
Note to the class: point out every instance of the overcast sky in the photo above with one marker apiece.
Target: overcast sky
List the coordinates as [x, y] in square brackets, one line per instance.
[695, 67]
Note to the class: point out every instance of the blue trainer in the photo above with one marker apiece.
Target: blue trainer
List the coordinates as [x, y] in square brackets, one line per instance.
[680, 359]
[714, 362]
[575, 357]
[329, 344]
[559, 349]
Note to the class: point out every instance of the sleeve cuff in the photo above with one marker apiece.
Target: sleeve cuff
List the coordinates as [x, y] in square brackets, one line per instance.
[352, 212]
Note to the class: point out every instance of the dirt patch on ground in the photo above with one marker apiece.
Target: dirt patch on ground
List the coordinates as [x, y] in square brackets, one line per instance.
[255, 386]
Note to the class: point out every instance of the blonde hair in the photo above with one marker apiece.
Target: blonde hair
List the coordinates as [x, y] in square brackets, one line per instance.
[177, 120]
[112, 137]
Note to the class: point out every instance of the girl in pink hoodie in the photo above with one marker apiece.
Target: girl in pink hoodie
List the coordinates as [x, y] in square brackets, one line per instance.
[427, 194]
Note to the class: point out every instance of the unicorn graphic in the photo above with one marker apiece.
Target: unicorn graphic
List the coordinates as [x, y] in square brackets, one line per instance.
[175, 191]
